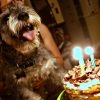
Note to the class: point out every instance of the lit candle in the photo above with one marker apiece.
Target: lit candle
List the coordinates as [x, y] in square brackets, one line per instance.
[90, 51]
[77, 54]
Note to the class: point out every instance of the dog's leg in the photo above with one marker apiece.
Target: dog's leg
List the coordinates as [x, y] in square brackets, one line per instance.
[47, 68]
[51, 70]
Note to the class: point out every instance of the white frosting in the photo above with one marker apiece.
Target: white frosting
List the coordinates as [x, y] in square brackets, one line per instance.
[82, 86]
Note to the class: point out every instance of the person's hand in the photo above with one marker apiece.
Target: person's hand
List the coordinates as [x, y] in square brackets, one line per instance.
[18, 1]
[4, 3]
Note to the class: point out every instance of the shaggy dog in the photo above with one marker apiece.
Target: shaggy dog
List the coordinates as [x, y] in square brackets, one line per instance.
[28, 71]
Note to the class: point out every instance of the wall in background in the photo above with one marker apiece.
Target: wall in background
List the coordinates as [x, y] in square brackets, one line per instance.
[72, 22]
[91, 11]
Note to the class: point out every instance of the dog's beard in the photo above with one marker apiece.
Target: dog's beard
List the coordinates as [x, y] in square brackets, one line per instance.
[24, 47]
[28, 47]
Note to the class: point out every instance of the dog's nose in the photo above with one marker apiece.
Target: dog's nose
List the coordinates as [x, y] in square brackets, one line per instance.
[23, 16]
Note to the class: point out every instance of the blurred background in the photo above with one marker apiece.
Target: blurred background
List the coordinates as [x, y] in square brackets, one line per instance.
[71, 22]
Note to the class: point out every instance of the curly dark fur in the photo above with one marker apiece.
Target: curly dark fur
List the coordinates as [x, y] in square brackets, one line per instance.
[26, 63]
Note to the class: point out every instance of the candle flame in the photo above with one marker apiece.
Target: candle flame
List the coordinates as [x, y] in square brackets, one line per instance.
[89, 50]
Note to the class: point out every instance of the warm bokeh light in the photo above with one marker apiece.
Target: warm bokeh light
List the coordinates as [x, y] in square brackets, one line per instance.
[77, 53]
[89, 50]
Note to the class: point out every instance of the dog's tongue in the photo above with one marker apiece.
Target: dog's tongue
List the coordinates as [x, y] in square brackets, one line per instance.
[29, 35]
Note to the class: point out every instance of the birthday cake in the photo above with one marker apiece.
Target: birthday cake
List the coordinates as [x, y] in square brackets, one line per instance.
[83, 84]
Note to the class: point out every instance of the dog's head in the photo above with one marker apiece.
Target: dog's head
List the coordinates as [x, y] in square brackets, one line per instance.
[19, 28]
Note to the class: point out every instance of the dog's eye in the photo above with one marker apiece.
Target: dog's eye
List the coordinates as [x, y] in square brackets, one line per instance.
[6, 17]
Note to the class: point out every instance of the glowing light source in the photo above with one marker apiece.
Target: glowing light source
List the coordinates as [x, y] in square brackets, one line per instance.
[90, 51]
[77, 54]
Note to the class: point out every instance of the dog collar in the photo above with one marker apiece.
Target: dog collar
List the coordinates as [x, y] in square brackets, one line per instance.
[13, 60]
[26, 64]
